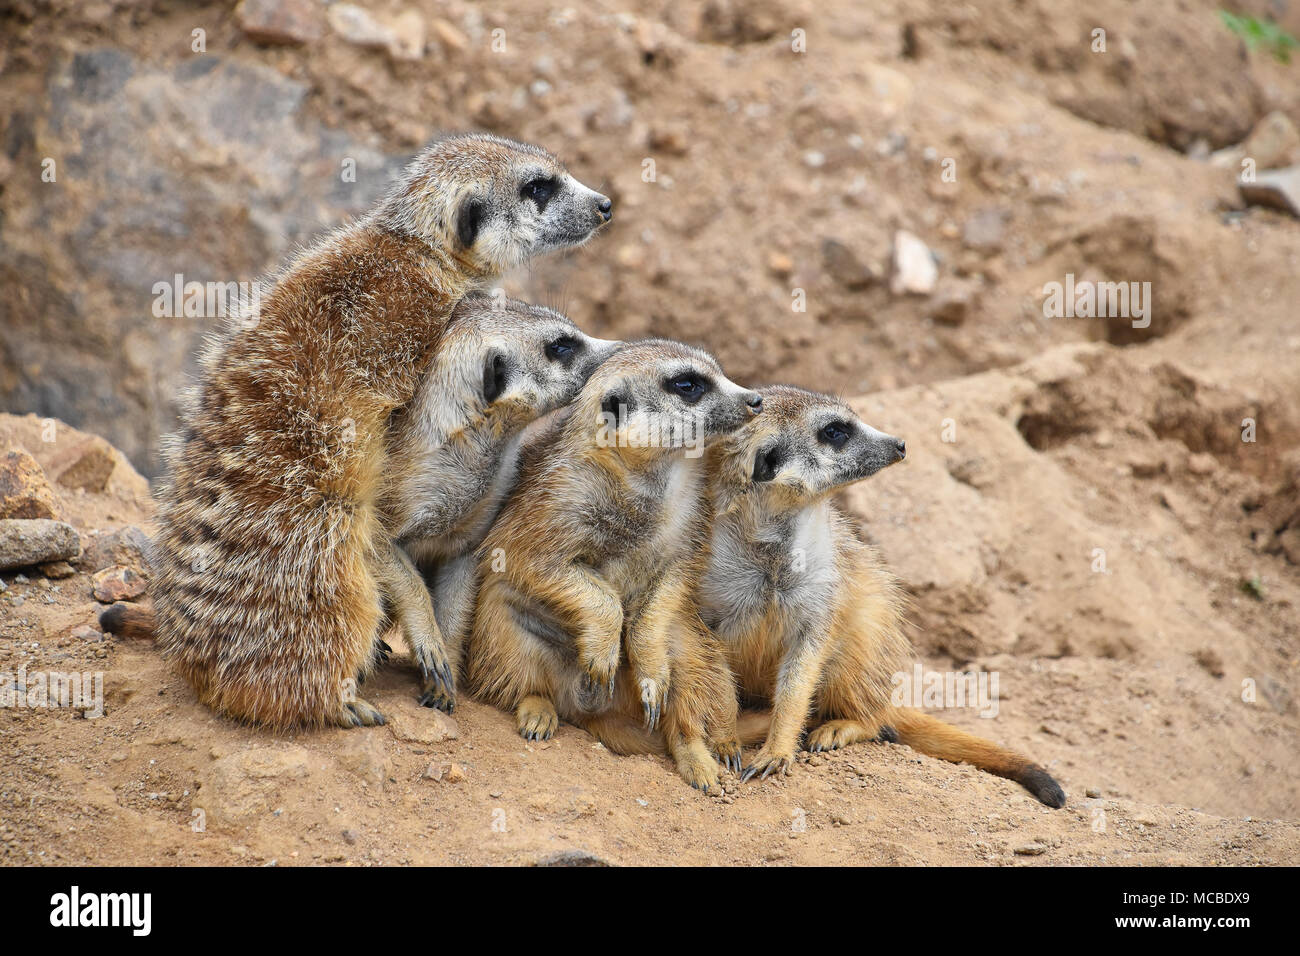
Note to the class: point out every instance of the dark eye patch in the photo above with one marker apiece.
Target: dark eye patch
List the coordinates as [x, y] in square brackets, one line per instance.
[540, 190]
[689, 386]
[563, 350]
[836, 434]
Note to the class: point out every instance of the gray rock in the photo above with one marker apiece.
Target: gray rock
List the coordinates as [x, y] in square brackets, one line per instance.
[1275, 188]
[25, 542]
[844, 266]
[210, 168]
[127, 546]
[983, 231]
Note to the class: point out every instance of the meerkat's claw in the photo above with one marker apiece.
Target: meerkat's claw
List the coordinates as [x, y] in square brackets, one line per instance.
[536, 718]
[595, 686]
[654, 694]
[438, 687]
[383, 651]
[728, 753]
[766, 763]
[437, 698]
[358, 713]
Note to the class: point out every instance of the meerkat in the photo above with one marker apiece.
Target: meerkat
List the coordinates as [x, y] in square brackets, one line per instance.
[271, 551]
[453, 451]
[595, 555]
[811, 619]
[502, 365]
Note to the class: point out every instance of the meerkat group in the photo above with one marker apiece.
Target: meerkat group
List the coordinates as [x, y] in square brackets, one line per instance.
[610, 534]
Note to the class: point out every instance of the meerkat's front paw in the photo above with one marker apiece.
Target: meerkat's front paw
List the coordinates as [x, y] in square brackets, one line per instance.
[654, 694]
[767, 762]
[597, 681]
[729, 754]
[536, 718]
[437, 685]
[358, 713]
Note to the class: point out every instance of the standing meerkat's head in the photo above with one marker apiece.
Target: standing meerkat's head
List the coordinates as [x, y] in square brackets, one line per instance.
[658, 395]
[805, 446]
[502, 353]
[492, 202]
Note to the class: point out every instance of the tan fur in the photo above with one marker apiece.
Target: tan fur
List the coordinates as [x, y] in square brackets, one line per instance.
[271, 550]
[592, 563]
[453, 454]
[811, 619]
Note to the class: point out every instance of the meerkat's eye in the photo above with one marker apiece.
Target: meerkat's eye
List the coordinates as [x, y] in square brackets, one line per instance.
[563, 349]
[835, 434]
[540, 190]
[689, 388]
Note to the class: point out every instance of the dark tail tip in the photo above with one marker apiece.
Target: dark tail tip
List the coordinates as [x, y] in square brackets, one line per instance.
[1040, 783]
[113, 619]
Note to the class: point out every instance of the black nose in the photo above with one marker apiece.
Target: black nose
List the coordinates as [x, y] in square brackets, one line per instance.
[755, 404]
[901, 447]
[606, 208]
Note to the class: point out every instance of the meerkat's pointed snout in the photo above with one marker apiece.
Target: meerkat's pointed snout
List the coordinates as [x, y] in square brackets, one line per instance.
[879, 451]
[606, 207]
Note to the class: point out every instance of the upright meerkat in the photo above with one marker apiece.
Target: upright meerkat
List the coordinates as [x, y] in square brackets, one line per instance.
[501, 365]
[270, 548]
[811, 619]
[453, 451]
[596, 556]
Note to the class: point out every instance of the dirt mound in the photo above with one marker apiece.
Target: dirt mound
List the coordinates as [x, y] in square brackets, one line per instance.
[1127, 707]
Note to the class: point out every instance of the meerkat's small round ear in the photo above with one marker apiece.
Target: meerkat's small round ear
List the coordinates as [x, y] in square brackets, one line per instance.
[469, 219]
[496, 374]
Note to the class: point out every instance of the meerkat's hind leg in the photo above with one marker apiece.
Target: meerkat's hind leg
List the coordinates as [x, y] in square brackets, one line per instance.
[357, 713]
[536, 718]
[405, 590]
[834, 734]
[694, 762]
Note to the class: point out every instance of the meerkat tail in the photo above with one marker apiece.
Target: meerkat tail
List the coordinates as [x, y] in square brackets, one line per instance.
[933, 737]
[626, 737]
[752, 726]
[128, 620]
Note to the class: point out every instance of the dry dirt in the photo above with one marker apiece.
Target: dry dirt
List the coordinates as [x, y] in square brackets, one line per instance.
[1164, 680]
